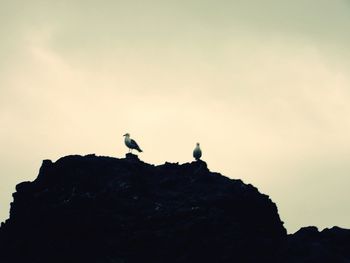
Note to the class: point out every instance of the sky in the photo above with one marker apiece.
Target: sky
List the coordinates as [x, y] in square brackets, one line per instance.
[264, 86]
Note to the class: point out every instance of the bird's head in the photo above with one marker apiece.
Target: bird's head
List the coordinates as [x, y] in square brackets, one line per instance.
[126, 135]
[197, 143]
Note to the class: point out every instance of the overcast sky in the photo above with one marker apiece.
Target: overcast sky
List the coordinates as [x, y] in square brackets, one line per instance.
[264, 86]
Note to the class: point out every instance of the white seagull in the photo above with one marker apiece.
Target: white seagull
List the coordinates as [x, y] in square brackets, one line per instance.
[197, 152]
[130, 143]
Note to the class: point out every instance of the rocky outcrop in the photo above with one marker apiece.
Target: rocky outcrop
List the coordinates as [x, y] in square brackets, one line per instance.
[103, 209]
[310, 245]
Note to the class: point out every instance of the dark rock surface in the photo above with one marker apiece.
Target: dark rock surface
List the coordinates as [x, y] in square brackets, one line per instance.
[103, 209]
[310, 245]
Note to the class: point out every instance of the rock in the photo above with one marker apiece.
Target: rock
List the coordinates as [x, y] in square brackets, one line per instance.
[132, 157]
[103, 209]
[310, 245]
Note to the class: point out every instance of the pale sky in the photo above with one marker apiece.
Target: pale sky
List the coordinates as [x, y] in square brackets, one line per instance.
[263, 85]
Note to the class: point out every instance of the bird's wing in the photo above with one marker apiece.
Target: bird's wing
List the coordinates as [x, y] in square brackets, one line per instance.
[134, 144]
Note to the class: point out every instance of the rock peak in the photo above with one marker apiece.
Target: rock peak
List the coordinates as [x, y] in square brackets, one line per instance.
[130, 156]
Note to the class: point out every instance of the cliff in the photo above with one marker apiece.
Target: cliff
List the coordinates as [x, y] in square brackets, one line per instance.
[103, 209]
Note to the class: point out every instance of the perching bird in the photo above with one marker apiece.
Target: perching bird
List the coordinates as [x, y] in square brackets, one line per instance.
[197, 152]
[130, 143]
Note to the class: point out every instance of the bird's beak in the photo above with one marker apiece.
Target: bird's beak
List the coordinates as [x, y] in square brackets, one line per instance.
[124, 135]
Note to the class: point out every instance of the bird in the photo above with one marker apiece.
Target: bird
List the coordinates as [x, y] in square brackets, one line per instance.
[130, 143]
[197, 152]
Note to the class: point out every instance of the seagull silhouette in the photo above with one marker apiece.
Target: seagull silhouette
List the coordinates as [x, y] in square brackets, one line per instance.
[197, 152]
[130, 143]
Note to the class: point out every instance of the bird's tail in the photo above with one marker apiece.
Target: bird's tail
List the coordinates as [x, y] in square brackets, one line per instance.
[139, 150]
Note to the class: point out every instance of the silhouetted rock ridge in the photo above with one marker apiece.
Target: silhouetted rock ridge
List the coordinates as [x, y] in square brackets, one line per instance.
[103, 209]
